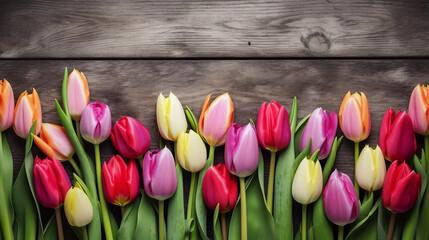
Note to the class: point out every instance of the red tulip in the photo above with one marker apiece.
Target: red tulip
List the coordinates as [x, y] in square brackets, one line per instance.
[121, 183]
[401, 187]
[397, 139]
[220, 187]
[51, 182]
[130, 137]
[273, 126]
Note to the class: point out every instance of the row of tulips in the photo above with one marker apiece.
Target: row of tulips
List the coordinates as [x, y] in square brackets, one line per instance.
[295, 170]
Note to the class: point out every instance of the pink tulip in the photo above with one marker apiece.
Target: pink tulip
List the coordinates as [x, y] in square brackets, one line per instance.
[159, 174]
[27, 110]
[340, 200]
[241, 150]
[355, 120]
[54, 142]
[419, 109]
[77, 94]
[321, 128]
[7, 103]
[95, 124]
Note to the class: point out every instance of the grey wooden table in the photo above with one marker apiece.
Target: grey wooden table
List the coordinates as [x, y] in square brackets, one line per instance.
[257, 51]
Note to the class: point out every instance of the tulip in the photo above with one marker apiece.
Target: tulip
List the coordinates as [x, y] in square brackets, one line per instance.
[355, 120]
[308, 182]
[340, 200]
[241, 150]
[219, 187]
[95, 124]
[54, 142]
[215, 119]
[27, 110]
[159, 174]
[170, 117]
[51, 182]
[191, 151]
[321, 128]
[273, 126]
[130, 137]
[7, 103]
[370, 169]
[77, 207]
[397, 139]
[77, 94]
[401, 187]
[418, 109]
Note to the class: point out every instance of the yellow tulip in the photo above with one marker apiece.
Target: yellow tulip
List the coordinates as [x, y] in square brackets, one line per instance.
[191, 151]
[370, 169]
[308, 182]
[77, 207]
[170, 117]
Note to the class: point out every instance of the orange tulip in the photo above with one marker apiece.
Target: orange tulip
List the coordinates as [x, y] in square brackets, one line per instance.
[54, 142]
[354, 117]
[27, 110]
[6, 105]
[77, 94]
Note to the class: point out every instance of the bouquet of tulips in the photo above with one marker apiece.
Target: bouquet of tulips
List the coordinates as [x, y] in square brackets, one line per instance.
[232, 192]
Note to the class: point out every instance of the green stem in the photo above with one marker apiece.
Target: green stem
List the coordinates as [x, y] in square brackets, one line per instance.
[59, 224]
[161, 220]
[223, 224]
[79, 136]
[103, 204]
[243, 210]
[356, 159]
[391, 226]
[84, 233]
[304, 222]
[340, 232]
[75, 167]
[122, 211]
[427, 154]
[191, 199]
[6, 225]
[271, 182]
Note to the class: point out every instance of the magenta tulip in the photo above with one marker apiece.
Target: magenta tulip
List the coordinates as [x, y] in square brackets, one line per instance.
[321, 128]
[95, 123]
[159, 174]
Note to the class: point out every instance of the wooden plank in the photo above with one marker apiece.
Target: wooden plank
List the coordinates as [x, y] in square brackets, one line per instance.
[164, 29]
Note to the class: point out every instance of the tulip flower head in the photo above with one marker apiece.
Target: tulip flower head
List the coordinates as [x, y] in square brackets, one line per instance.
[241, 150]
[7, 102]
[159, 174]
[27, 110]
[51, 182]
[273, 126]
[121, 182]
[77, 94]
[321, 128]
[370, 169]
[308, 182]
[401, 187]
[340, 200]
[215, 119]
[220, 187]
[418, 109]
[77, 207]
[95, 123]
[397, 139]
[191, 151]
[355, 120]
[170, 117]
[54, 142]
[130, 137]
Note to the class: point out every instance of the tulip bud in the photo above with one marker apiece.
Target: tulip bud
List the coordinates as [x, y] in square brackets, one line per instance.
[27, 110]
[355, 120]
[191, 151]
[159, 174]
[7, 102]
[54, 142]
[130, 137]
[51, 182]
[397, 139]
[170, 117]
[418, 109]
[219, 187]
[321, 128]
[215, 119]
[95, 124]
[77, 94]
[121, 183]
[308, 182]
[273, 126]
[340, 200]
[241, 150]
[401, 187]
[78, 208]
[370, 169]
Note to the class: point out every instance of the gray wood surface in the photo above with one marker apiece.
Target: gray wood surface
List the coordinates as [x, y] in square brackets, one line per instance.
[170, 29]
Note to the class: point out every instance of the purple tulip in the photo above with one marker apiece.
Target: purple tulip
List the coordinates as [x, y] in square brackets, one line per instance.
[321, 128]
[241, 150]
[340, 200]
[96, 122]
[159, 174]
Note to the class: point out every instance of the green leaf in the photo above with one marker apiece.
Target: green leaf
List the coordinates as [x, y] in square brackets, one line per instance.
[113, 224]
[298, 131]
[364, 209]
[191, 119]
[367, 227]
[147, 227]
[50, 231]
[6, 173]
[129, 221]
[176, 211]
[217, 231]
[64, 92]
[331, 159]
[322, 227]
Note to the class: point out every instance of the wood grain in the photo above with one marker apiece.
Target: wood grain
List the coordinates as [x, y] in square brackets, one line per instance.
[207, 29]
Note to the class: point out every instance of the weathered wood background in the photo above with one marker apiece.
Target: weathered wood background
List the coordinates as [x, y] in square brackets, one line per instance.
[257, 51]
